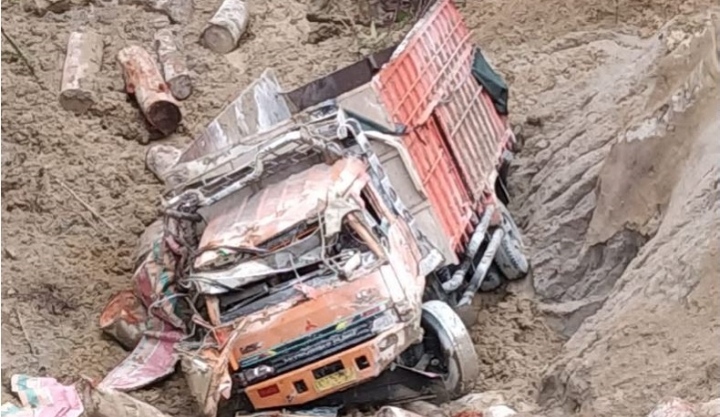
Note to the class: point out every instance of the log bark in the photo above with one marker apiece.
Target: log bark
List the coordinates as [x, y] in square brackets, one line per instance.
[82, 63]
[173, 63]
[143, 79]
[226, 27]
[159, 159]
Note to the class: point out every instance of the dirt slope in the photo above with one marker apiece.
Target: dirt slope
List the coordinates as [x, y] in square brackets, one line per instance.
[582, 73]
[656, 335]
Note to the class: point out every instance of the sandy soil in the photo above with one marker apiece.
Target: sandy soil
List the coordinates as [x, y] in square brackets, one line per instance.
[582, 73]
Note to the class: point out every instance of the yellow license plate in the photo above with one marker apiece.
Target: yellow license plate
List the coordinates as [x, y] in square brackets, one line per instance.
[334, 380]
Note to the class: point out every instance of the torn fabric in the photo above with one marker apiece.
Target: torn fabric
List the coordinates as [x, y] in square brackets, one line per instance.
[42, 397]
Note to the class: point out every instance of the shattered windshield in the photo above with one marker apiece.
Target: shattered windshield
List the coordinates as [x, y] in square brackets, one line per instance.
[301, 246]
[230, 256]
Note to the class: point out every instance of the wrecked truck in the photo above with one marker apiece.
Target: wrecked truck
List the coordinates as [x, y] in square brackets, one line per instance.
[317, 244]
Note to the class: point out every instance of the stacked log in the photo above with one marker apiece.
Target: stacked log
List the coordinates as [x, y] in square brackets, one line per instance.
[226, 27]
[143, 79]
[173, 63]
[82, 63]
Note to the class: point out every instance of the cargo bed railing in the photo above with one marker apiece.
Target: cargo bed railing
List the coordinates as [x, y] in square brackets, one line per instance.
[291, 148]
[292, 144]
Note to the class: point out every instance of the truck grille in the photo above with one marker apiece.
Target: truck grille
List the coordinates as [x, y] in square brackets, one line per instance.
[315, 346]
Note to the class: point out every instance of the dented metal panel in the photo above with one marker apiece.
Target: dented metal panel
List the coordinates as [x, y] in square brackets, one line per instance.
[455, 137]
[398, 166]
[259, 217]
[259, 107]
[332, 302]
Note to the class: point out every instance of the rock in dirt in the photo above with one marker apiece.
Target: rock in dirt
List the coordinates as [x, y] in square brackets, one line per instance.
[389, 411]
[425, 409]
[674, 407]
[499, 411]
[143, 79]
[106, 402]
[710, 408]
[225, 28]
[82, 63]
[475, 402]
[172, 61]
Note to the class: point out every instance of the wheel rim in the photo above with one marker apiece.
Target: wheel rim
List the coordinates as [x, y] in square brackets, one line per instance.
[456, 349]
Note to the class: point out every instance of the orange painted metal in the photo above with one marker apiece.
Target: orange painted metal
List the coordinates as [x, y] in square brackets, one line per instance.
[455, 137]
[278, 207]
[333, 303]
[287, 394]
[377, 358]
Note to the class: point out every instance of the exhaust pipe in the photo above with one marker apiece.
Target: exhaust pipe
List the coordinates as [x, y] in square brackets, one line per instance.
[475, 241]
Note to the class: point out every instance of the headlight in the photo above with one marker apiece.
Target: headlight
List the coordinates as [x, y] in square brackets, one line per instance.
[251, 375]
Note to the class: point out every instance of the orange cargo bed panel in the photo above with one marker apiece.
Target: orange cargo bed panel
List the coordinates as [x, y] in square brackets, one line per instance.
[455, 135]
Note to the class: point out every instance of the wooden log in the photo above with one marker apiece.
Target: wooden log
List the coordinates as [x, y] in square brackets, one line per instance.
[173, 63]
[82, 63]
[224, 29]
[159, 159]
[143, 79]
[179, 11]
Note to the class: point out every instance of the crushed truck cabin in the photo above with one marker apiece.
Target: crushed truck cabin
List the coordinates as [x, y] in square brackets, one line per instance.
[317, 245]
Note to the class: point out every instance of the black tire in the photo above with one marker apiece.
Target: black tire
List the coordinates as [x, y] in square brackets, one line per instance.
[455, 347]
[510, 258]
[493, 280]
[501, 190]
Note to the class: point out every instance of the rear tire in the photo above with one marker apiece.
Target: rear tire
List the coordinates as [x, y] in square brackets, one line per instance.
[493, 280]
[510, 257]
[455, 349]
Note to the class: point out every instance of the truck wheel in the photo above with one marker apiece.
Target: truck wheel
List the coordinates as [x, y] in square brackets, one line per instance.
[453, 351]
[492, 280]
[510, 257]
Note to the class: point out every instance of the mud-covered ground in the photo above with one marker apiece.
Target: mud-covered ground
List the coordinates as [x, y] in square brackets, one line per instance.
[620, 229]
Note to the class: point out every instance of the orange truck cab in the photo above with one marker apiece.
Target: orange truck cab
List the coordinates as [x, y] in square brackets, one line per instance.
[331, 288]
[343, 224]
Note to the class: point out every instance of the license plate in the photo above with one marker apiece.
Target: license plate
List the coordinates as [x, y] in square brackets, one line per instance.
[334, 380]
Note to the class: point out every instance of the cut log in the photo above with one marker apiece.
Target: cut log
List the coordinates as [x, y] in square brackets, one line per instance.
[179, 11]
[173, 63]
[143, 79]
[225, 28]
[82, 63]
[159, 159]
